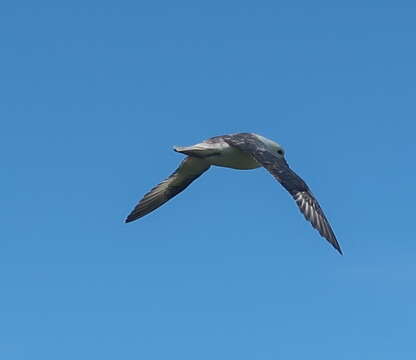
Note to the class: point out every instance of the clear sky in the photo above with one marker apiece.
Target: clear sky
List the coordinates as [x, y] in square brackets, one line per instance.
[93, 96]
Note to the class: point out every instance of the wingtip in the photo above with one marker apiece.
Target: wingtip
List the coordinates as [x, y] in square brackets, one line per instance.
[337, 248]
[133, 217]
[128, 219]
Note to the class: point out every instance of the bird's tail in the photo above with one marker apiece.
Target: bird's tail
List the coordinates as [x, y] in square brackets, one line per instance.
[199, 151]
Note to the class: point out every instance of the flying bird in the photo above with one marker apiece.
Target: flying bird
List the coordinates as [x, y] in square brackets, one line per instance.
[243, 151]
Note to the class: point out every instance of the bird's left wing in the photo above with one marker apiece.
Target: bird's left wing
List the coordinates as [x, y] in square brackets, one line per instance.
[279, 168]
[190, 169]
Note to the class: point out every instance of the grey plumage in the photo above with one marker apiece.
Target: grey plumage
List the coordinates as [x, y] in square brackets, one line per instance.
[280, 169]
[189, 170]
[238, 151]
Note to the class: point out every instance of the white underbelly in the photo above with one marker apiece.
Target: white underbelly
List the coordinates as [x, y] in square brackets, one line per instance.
[233, 158]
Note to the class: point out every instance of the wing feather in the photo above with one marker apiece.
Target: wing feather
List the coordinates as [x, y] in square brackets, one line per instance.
[280, 169]
[189, 170]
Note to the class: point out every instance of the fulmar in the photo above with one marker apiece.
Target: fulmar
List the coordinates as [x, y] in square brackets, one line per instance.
[242, 151]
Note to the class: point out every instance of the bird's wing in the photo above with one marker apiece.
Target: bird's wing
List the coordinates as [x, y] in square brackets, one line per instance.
[279, 168]
[190, 169]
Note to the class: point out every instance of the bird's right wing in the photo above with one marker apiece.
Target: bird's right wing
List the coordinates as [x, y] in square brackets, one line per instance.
[292, 182]
[190, 169]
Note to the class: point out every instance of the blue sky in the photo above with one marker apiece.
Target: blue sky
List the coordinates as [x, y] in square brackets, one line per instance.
[93, 96]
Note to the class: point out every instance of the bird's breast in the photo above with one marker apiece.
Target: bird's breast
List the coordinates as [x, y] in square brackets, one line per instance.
[234, 158]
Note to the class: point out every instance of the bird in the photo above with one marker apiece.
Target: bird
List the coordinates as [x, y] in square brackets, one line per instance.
[241, 151]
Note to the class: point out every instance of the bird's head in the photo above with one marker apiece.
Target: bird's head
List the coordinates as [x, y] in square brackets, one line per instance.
[274, 147]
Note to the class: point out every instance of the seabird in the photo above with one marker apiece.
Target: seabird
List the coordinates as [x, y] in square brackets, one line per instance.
[243, 151]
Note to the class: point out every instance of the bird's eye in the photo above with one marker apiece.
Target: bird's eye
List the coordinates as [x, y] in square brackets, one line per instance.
[280, 152]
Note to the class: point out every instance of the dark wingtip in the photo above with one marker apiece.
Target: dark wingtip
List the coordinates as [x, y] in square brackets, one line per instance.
[129, 219]
[338, 248]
